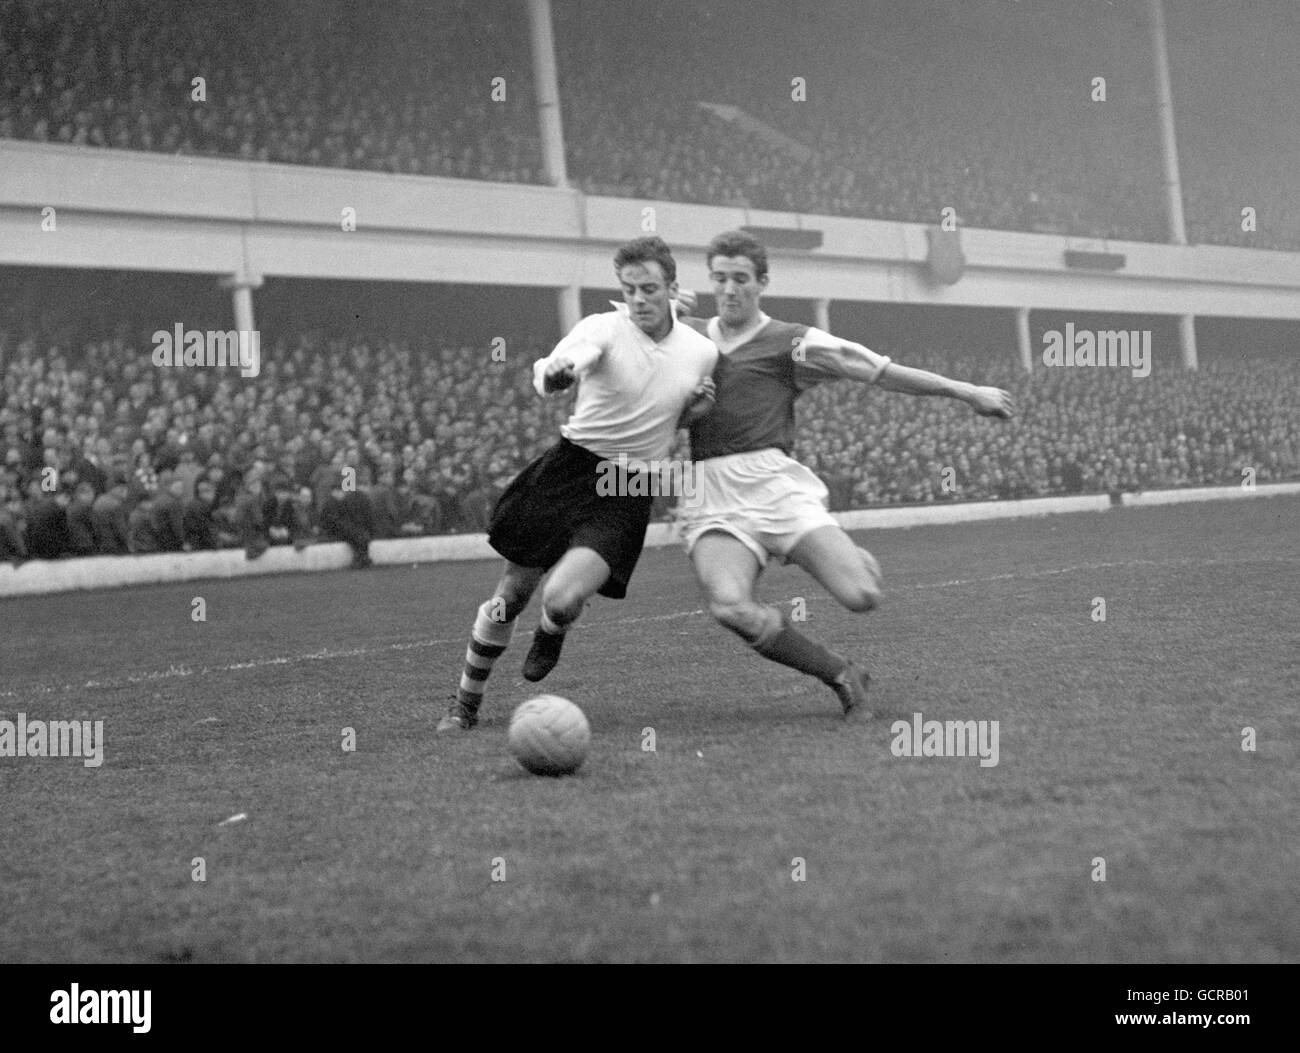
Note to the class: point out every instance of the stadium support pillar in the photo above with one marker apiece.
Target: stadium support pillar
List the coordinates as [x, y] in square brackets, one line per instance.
[1187, 340]
[1168, 141]
[547, 89]
[822, 315]
[241, 288]
[570, 308]
[1022, 339]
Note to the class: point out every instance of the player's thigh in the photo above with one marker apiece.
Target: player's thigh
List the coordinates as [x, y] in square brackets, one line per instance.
[725, 568]
[577, 577]
[838, 565]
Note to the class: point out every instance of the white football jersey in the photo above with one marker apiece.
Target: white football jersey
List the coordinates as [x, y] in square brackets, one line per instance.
[631, 390]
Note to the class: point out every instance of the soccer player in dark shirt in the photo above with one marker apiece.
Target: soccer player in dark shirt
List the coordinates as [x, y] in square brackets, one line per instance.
[752, 499]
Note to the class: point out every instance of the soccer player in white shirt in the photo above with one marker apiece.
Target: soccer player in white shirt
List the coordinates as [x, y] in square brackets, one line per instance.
[752, 499]
[643, 375]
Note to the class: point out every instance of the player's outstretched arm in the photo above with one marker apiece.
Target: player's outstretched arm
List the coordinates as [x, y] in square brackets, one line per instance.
[832, 356]
[986, 401]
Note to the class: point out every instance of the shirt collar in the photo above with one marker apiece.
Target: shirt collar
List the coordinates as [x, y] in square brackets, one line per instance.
[716, 335]
[622, 309]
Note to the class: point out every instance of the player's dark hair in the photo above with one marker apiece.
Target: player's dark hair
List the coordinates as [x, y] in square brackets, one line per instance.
[738, 243]
[645, 250]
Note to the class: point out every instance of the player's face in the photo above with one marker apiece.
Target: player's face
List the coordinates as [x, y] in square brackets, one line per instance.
[647, 295]
[737, 289]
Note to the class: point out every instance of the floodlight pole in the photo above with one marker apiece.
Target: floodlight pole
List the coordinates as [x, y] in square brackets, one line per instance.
[550, 131]
[1169, 157]
[546, 87]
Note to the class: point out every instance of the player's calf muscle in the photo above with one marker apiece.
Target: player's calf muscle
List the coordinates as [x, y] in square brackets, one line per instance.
[513, 593]
[511, 604]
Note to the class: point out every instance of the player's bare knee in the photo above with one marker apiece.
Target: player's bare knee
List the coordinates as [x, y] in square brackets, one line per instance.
[563, 605]
[861, 598]
[867, 592]
[742, 618]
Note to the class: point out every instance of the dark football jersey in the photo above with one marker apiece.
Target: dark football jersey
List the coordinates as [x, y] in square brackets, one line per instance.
[759, 380]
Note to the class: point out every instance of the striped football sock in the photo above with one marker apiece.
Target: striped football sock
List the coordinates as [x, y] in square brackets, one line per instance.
[487, 642]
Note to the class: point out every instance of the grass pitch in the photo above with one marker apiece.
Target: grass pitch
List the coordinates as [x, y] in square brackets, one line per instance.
[1119, 739]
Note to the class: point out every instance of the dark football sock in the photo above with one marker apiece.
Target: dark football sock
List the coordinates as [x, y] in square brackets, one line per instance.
[784, 643]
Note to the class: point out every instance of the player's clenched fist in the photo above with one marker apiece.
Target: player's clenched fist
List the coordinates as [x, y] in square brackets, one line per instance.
[704, 394]
[700, 402]
[992, 402]
[559, 375]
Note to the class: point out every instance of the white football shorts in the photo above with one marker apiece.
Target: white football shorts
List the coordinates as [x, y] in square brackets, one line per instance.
[765, 499]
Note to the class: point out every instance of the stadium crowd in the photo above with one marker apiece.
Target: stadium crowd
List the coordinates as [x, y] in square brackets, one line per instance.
[344, 441]
[1078, 431]
[451, 96]
[104, 452]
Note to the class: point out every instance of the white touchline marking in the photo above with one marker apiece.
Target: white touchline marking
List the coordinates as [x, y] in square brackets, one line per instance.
[1186, 562]
[181, 671]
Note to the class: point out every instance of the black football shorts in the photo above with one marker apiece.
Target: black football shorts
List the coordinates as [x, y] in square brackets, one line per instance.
[553, 505]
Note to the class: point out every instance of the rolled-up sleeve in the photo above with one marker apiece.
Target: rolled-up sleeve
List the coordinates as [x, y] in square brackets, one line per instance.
[826, 357]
